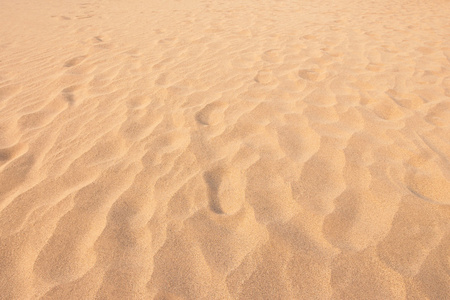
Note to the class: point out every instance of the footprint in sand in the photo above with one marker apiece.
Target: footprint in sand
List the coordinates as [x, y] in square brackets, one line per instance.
[212, 113]
[69, 94]
[74, 61]
[310, 74]
[264, 77]
[272, 56]
[226, 189]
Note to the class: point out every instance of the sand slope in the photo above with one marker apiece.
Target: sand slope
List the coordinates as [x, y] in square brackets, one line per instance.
[225, 149]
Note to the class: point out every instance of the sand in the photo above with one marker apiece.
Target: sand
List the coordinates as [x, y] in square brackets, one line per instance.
[225, 149]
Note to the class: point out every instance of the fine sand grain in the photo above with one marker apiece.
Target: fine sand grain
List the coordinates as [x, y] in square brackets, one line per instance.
[242, 149]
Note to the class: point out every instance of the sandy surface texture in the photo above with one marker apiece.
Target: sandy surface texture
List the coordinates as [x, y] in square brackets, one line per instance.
[242, 149]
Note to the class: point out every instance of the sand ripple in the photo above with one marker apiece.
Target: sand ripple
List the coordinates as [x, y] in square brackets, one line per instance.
[225, 149]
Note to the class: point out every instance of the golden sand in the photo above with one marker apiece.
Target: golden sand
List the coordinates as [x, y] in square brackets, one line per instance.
[201, 149]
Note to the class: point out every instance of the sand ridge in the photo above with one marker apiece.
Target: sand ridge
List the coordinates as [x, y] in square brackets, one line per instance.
[225, 149]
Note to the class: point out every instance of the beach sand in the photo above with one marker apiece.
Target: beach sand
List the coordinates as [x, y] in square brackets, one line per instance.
[201, 149]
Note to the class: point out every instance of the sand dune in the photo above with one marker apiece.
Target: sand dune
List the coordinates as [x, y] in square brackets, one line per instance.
[225, 149]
